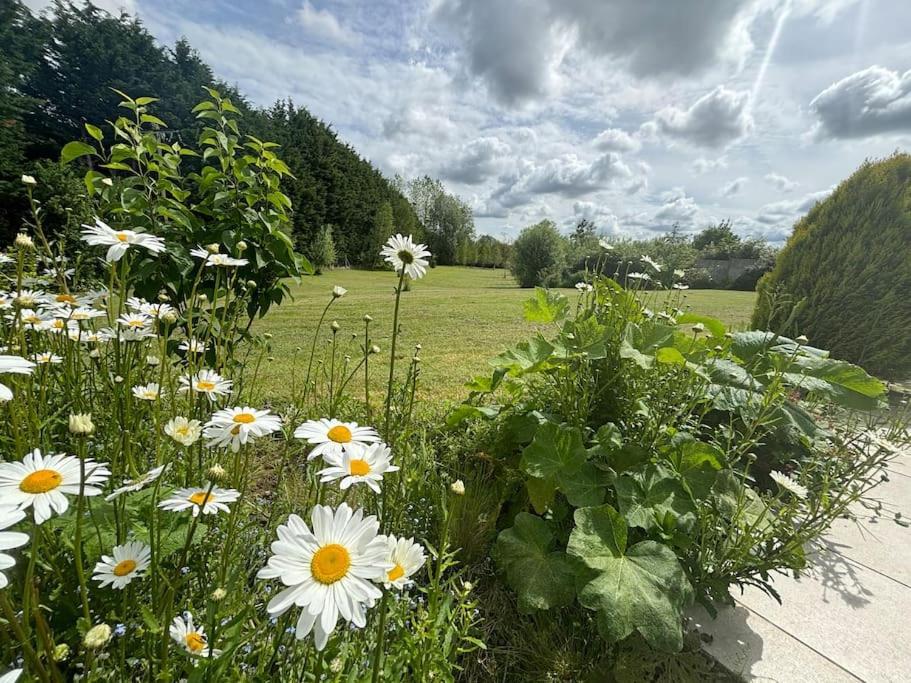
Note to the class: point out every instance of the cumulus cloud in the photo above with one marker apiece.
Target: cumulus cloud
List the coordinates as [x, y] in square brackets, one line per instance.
[780, 182]
[784, 213]
[869, 102]
[516, 45]
[476, 161]
[734, 187]
[605, 220]
[322, 24]
[703, 165]
[677, 207]
[714, 120]
[616, 140]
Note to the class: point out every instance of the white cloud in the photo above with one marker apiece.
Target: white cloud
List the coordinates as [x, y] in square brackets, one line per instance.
[714, 120]
[322, 24]
[616, 140]
[677, 208]
[780, 182]
[734, 187]
[869, 102]
[785, 213]
[703, 165]
[476, 161]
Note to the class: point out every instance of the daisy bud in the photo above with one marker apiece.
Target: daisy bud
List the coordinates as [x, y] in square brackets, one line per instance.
[802, 339]
[107, 181]
[418, 347]
[118, 379]
[81, 423]
[251, 284]
[374, 349]
[698, 327]
[61, 652]
[170, 317]
[218, 594]
[213, 248]
[94, 353]
[153, 361]
[719, 348]
[468, 586]
[97, 636]
[203, 298]
[216, 472]
[367, 318]
[24, 242]
[267, 335]
[29, 180]
[457, 487]
[335, 326]
[338, 292]
[163, 296]
[241, 246]
[335, 666]
[728, 335]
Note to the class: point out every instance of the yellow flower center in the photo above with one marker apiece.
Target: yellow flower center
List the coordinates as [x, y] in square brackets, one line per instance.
[397, 572]
[183, 431]
[58, 323]
[65, 299]
[121, 237]
[201, 498]
[41, 481]
[359, 468]
[340, 434]
[137, 322]
[205, 385]
[330, 563]
[245, 418]
[124, 567]
[406, 257]
[195, 642]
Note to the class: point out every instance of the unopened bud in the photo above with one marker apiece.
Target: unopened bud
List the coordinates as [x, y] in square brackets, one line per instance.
[241, 246]
[170, 317]
[213, 248]
[216, 472]
[97, 636]
[81, 423]
[219, 594]
[457, 487]
[251, 284]
[802, 339]
[24, 242]
[374, 349]
[338, 292]
[61, 652]
[335, 326]
[29, 180]
[367, 318]
[203, 297]
[107, 181]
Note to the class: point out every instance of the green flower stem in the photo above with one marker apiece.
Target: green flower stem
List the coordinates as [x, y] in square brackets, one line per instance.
[395, 335]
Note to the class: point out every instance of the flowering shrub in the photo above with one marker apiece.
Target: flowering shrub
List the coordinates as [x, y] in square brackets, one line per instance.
[157, 521]
[649, 459]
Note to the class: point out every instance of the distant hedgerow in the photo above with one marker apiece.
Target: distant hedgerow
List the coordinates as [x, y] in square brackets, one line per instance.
[845, 273]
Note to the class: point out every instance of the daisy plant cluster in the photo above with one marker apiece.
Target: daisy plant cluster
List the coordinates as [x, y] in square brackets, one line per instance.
[159, 519]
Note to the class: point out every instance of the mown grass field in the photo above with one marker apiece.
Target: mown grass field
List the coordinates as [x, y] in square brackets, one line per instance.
[460, 316]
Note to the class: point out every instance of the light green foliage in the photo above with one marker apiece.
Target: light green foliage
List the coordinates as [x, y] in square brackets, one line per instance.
[322, 251]
[539, 250]
[843, 277]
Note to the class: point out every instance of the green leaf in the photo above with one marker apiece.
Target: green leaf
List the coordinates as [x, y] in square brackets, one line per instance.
[150, 118]
[642, 588]
[487, 384]
[740, 503]
[670, 356]
[526, 357]
[541, 493]
[646, 498]
[713, 325]
[542, 578]
[585, 485]
[698, 464]
[467, 411]
[546, 306]
[555, 448]
[74, 150]
[94, 131]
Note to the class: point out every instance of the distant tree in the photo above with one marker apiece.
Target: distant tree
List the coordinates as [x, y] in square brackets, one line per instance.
[584, 233]
[538, 251]
[448, 221]
[322, 251]
[717, 239]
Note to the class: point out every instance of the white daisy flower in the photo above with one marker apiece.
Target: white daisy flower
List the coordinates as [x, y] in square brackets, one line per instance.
[407, 557]
[221, 260]
[135, 321]
[44, 481]
[328, 571]
[207, 382]
[30, 298]
[584, 287]
[191, 638]
[233, 427]
[47, 358]
[147, 392]
[338, 292]
[56, 325]
[651, 262]
[679, 273]
[183, 431]
[788, 484]
[193, 346]
[119, 241]
[403, 254]
[15, 365]
[200, 500]
[359, 465]
[66, 300]
[85, 313]
[128, 562]
[158, 310]
[29, 317]
[604, 244]
[131, 485]
[333, 436]
[639, 276]
[135, 303]
[680, 286]
[9, 539]
[6, 301]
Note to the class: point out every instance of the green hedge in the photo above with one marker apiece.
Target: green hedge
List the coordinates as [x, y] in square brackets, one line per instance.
[844, 277]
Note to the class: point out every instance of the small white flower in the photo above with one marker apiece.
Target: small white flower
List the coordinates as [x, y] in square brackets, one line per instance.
[584, 287]
[407, 557]
[677, 285]
[200, 500]
[233, 427]
[131, 485]
[338, 292]
[649, 261]
[216, 259]
[334, 436]
[191, 638]
[403, 254]
[183, 431]
[147, 392]
[457, 487]
[207, 382]
[29, 180]
[119, 241]
[788, 484]
[128, 562]
[47, 358]
[679, 273]
[638, 276]
[357, 465]
[604, 244]
[193, 346]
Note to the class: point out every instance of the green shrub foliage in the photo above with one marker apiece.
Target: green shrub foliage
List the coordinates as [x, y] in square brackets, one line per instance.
[845, 274]
[539, 251]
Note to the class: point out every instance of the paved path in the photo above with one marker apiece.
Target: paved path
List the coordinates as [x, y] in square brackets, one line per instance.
[848, 620]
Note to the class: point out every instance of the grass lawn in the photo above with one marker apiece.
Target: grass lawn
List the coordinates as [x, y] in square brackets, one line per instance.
[460, 316]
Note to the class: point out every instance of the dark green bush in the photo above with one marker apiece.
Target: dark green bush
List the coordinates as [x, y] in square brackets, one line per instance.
[539, 252]
[849, 263]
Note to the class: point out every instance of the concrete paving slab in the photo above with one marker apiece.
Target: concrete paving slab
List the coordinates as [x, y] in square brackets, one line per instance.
[757, 650]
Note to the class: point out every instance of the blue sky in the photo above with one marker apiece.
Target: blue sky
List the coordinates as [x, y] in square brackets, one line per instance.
[637, 114]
